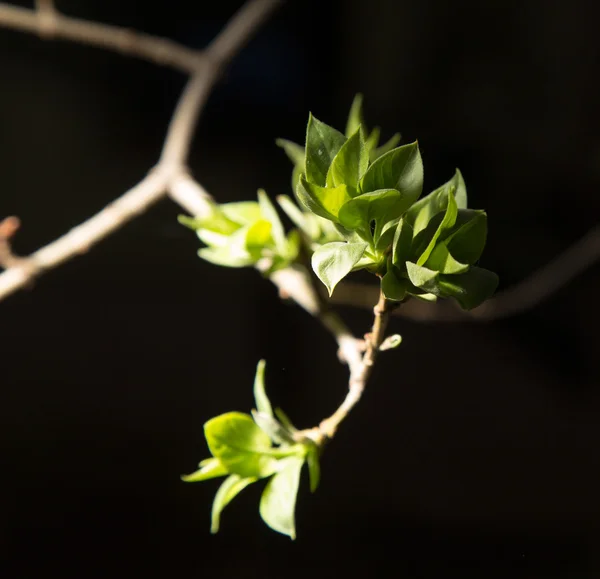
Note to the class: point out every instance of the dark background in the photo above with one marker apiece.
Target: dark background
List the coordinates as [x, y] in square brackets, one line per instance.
[475, 450]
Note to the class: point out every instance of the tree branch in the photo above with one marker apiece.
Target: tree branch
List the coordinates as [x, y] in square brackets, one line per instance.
[170, 174]
[540, 285]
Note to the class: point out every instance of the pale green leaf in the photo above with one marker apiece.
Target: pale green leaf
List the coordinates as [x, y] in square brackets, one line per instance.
[278, 500]
[277, 433]
[260, 395]
[223, 256]
[210, 468]
[242, 212]
[355, 117]
[333, 261]
[294, 151]
[305, 222]
[270, 214]
[322, 201]
[228, 490]
[240, 444]
[387, 146]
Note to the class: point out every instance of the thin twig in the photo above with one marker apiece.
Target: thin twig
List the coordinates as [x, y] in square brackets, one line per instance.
[170, 174]
[539, 286]
[49, 23]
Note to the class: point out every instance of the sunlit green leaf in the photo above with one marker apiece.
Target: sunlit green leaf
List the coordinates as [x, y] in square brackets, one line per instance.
[242, 212]
[210, 468]
[322, 145]
[333, 261]
[421, 213]
[256, 235]
[423, 277]
[222, 256]
[400, 169]
[270, 214]
[442, 260]
[278, 500]
[324, 202]
[350, 164]
[260, 396]
[271, 426]
[305, 222]
[228, 490]
[240, 444]
[445, 225]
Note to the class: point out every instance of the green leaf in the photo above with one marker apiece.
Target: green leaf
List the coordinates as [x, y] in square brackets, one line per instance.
[322, 201]
[223, 256]
[210, 468]
[379, 206]
[442, 260]
[285, 420]
[387, 234]
[322, 145]
[212, 238]
[254, 236]
[446, 224]
[400, 169]
[260, 396]
[230, 488]
[387, 146]
[294, 151]
[305, 222]
[216, 221]
[467, 239]
[350, 164]
[270, 214]
[470, 289]
[314, 468]
[240, 444]
[372, 141]
[393, 287]
[423, 277]
[270, 426]
[422, 212]
[402, 243]
[355, 117]
[278, 500]
[242, 212]
[333, 261]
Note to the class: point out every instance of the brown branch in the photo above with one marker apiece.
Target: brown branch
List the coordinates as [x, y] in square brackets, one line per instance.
[170, 174]
[539, 286]
[48, 23]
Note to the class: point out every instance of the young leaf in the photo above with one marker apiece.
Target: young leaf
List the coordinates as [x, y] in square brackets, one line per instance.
[278, 500]
[447, 223]
[470, 289]
[270, 214]
[285, 420]
[242, 212]
[314, 468]
[467, 239]
[355, 117]
[294, 151]
[223, 256]
[380, 206]
[387, 146]
[442, 260]
[228, 490]
[240, 444]
[384, 236]
[421, 213]
[324, 202]
[253, 238]
[391, 342]
[333, 261]
[402, 243]
[423, 277]
[302, 221]
[400, 169]
[350, 164]
[393, 287]
[322, 145]
[210, 468]
[277, 433]
[260, 396]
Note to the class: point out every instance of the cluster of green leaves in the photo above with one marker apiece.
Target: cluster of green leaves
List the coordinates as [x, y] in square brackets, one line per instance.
[247, 233]
[247, 448]
[425, 248]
